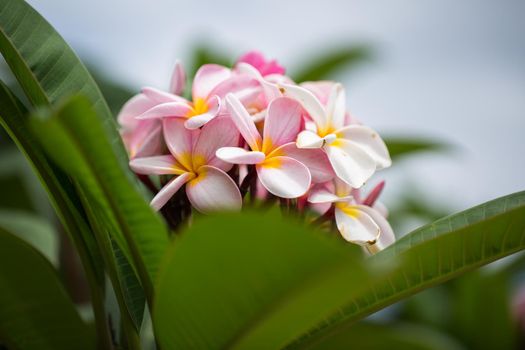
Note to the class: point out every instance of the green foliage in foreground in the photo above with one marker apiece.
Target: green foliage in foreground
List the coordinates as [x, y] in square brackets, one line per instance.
[230, 281]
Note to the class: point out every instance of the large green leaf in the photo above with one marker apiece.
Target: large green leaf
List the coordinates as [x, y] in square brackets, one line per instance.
[249, 281]
[431, 255]
[376, 336]
[46, 67]
[324, 66]
[35, 310]
[73, 136]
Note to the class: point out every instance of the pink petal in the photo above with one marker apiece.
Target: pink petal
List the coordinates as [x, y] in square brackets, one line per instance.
[220, 132]
[178, 79]
[244, 123]
[271, 91]
[237, 84]
[310, 103]
[368, 140]
[237, 155]
[336, 106]
[146, 140]
[169, 190]
[197, 121]
[282, 124]
[137, 105]
[322, 195]
[213, 190]
[179, 140]
[315, 160]
[258, 61]
[160, 96]
[168, 109]
[157, 165]
[207, 78]
[321, 89]
[284, 177]
[350, 163]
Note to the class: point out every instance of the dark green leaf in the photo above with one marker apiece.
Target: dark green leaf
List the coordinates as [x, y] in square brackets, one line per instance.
[404, 146]
[35, 310]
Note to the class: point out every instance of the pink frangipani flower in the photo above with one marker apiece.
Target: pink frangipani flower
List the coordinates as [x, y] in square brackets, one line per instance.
[259, 62]
[193, 162]
[211, 82]
[357, 222]
[355, 151]
[281, 167]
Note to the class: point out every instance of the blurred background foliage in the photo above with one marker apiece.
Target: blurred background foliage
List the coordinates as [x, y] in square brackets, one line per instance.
[471, 312]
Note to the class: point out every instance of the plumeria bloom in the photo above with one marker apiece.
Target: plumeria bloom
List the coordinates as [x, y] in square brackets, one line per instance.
[259, 62]
[193, 163]
[357, 221]
[211, 82]
[355, 151]
[281, 167]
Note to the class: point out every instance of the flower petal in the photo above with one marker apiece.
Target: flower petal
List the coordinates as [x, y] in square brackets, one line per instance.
[321, 89]
[308, 100]
[137, 105]
[179, 140]
[197, 121]
[146, 140]
[355, 225]
[207, 78]
[282, 123]
[213, 190]
[336, 106]
[244, 123]
[386, 236]
[220, 132]
[350, 163]
[157, 165]
[323, 195]
[284, 177]
[237, 155]
[271, 91]
[368, 140]
[160, 96]
[168, 109]
[309, 139]
[169, 190]
[178, 79]
[315, 160]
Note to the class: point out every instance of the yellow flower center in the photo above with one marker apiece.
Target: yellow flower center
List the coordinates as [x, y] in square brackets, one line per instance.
[199, 106]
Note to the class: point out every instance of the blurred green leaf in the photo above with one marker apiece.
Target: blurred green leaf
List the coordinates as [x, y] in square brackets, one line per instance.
[204, 53]
[375, 336]
[481, 311]
[34, 230]
[432, 255]
[74, 137]
[46, 68]
[404, 146]
[329, 63]
[247, 280]
[115, 94]
[35, 310]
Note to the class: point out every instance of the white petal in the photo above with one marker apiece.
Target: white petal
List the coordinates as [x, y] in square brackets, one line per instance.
[169, 190]
[351, 164]
[323, 195]
[213, 190]
[284, 177]
[237, 155]
[309, 139]
[308, 100]
[356, 226]
[157, 165]
[336, 107]
[386, 236]
[369, 141]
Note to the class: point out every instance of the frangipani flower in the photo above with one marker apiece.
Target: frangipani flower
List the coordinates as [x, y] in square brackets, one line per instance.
[357, 222]
[279, 164]
[355, 151]
[211, 82]
[194, 163]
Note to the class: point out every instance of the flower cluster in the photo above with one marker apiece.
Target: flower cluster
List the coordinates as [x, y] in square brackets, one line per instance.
[252, 129]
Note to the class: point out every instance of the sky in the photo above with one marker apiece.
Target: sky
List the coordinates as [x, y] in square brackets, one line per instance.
[449, 70]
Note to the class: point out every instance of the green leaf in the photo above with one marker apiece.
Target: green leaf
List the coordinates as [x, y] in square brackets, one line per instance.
[46, 67]
[325, 66]
[404, 146]
[35, 310]
[374, 336]
[432, 255]
[246, 280]
[34, 230]
[73, 136]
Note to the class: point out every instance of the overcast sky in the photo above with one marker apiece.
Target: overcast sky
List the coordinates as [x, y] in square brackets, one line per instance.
[453, 70]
